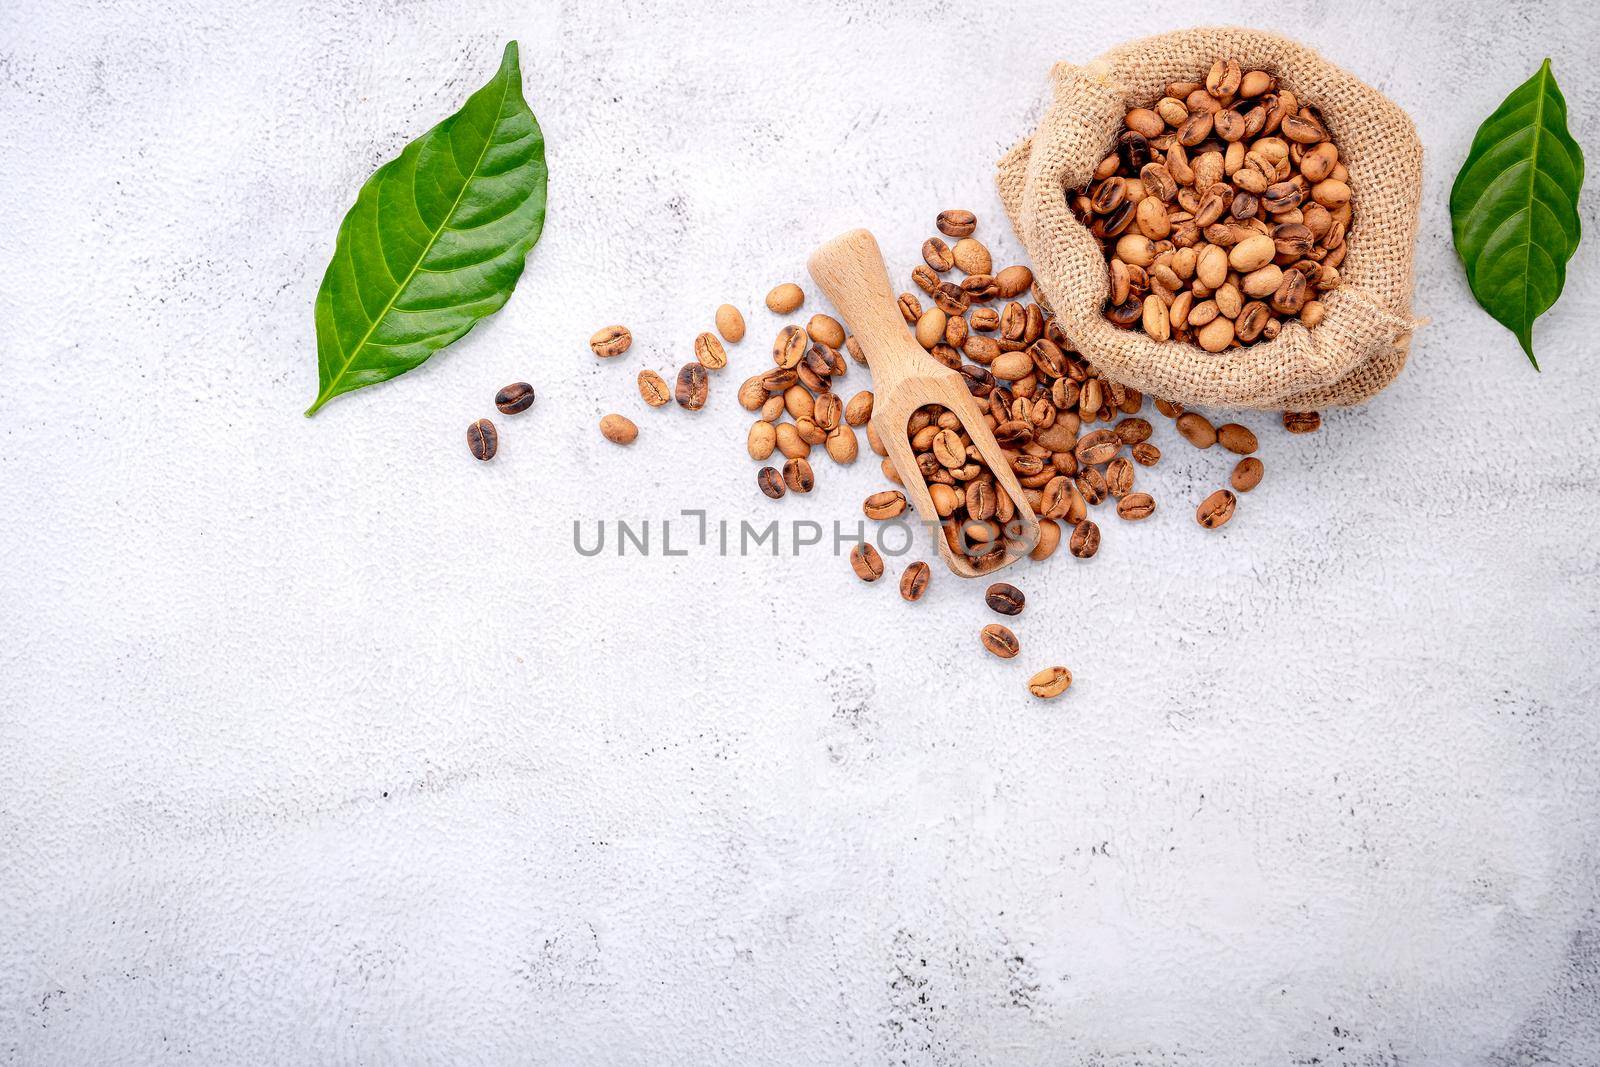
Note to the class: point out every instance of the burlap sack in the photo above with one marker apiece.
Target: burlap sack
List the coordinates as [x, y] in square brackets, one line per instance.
[1352, 354]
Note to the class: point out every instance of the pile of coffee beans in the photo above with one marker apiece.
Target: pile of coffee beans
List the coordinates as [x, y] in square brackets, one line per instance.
[1223, 212]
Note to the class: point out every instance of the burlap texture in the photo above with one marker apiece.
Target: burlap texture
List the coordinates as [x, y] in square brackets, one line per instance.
[1361, 344]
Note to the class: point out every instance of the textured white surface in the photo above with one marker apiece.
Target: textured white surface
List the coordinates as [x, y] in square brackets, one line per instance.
[318, 742]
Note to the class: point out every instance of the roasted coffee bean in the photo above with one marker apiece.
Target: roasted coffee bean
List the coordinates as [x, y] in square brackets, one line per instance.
[653, 388]
[1236, 438]
[952, 299]
[709, 351]
[1119, 477]
[914, 581]
[956, 223]
[483, 439]
[972, 256]
[1097, 447]
[828, 411]
[826, 330]
[1145, 454]
[1092, 484]
[859, 409]
[771, 482]
[866, 562]
[785, 299]
[1133, 431]
[1013, 281]
[1136, 506]
[1004, 598]
[1050, 682]
[730, 324]
[797, 475]
[1085, 541]
[611, 341]
[841, 444]
[692, 386]
[936, 254]
[999, 641]
[1247, 474]
[618, 429]
[884, 505]
[1302, 421]
[514, 398]
[1133, 150]
[1197, 429]
[1216, 509]
[925, 279]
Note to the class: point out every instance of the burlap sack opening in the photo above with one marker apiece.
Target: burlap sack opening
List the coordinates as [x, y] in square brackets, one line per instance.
[1361, 344]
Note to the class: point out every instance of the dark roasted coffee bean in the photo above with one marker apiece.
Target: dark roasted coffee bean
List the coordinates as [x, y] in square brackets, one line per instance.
[692, 386]
[999, 640]
[483, 439]
[514, 398]
[1097, 447]
[770, 481]
[1145, 454]
[1092, 484]
[797, 475]
[1004, 598]
[936, 254]
[1302, 421]
[1134, 151]
[956, 223]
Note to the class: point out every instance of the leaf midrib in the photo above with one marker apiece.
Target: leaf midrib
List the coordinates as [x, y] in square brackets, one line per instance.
[433, 239]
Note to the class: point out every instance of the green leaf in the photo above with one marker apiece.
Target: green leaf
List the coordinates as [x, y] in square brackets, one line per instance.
[1514, 207]
[435, 242]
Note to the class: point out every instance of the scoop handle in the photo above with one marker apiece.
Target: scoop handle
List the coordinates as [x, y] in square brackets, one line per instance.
[850, 270]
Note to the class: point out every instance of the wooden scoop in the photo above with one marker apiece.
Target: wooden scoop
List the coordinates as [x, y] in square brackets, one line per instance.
[850, 270]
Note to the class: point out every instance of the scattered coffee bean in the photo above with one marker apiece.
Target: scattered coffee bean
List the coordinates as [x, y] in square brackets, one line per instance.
[1136, 506]
[914, 581]
[825, 330]
[709, 351]
[971, 256]
[785, 299]
[936, 254]
[1145, 454]
[956, 223]
[884, 505]
[618, 429]
[866, 562]
[1085, 540]
[653, 388]
[483, 439]
[514, 398]
[770, 481]
[1004, 598]
[999, 640]
[859, 409]
[1236, 439]
[730, 324]
[611, 341]
[1247, 475]
[797, 475]
[1302, 421]
[1050, 682]
[692, 387]
[1216, 509]
[1196, 429]
[762, 439]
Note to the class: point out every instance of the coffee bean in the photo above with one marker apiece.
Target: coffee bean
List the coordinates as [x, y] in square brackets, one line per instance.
[971, 256]
[1302, 421]
[1133, 431]
[1097, 447]
[770, 481]
[730, 324]
[1197, 429]
[936, 254]
[785, 299]
[761, 440]
[709, 351]
[859, 409]
[1145, 454]
[1092, 484]
[825, 330]
[914, 580]
[1013, 281]
[925, 279]
[866, 562]
[1216, 509]
[1236, 438]
[483, 439]
[653, 388]
[790, 347]
[1085, 540]
[1004, 598]
[841, 444]
[611, 341]
[797, 475]
[999, 640]
[1136, 506]
[692, 387]
[884, 505]
[514, 398]
[618, 429]
[956, 223]
[1050, 682]
[1119, 477]
[1247, 475]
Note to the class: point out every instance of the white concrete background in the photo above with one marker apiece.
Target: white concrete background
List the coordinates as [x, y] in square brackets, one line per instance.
[319, 743]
